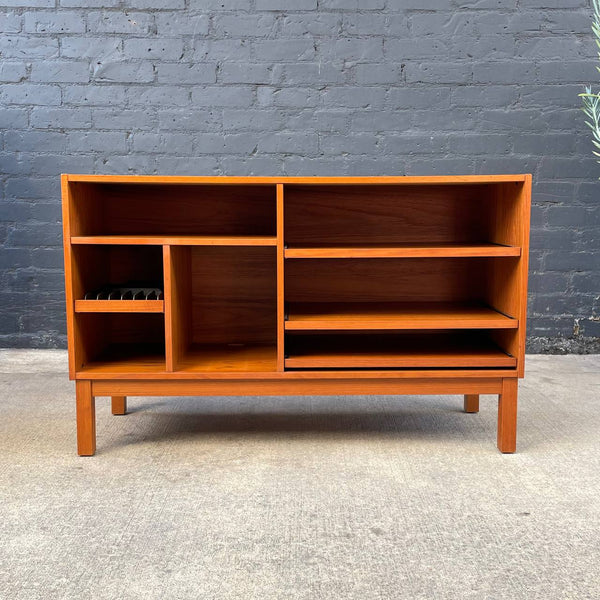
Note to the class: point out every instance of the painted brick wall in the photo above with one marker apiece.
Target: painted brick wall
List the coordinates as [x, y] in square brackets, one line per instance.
[298, 87]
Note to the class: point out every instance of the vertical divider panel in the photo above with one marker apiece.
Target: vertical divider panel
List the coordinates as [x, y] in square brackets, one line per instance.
[280, 281]
[177, 293]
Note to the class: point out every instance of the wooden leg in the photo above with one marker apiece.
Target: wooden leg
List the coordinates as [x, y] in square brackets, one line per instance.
[471, 403]
[86, 418]
[507, 416]
[119, 405]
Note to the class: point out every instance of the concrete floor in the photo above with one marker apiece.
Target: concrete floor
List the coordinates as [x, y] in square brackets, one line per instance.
[281, 498]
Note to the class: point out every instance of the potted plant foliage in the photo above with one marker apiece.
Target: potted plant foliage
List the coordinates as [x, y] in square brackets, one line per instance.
[591, 101]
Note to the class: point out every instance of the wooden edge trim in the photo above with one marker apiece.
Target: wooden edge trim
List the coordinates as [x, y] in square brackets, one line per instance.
[120, 306]
[170, 358]
[295, 387]
[349, 252]
[70, 312]
[369, 375]
[254, 180]
[524, 265]
[171, 240]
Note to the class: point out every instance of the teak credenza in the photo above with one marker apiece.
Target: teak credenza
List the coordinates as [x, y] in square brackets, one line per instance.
[296, 285]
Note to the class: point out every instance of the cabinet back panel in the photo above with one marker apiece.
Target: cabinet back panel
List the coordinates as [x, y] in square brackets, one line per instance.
[125, 328]
[143, 263]
[385, 280]
[234, 293]
[385, 214]
[177, 210]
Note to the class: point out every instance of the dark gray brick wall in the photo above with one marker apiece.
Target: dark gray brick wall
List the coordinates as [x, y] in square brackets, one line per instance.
[298, 87]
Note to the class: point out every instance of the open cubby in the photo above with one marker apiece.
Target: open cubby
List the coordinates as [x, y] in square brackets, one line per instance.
[138, 210]
[224, 315]
[391, 289]
[297, 286]
[120, 342]
[404, 216]
[394, 350]
[100, 266]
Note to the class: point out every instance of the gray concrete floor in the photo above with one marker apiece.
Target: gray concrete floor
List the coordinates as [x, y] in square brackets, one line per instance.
[363, 497]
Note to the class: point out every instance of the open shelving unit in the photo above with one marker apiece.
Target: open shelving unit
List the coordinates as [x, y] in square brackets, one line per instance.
[296, 286]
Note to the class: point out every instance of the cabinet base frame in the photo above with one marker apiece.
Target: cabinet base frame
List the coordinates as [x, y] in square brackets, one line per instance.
[470, 387]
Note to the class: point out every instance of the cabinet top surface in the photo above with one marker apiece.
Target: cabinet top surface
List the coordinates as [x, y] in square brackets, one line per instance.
[449, 179]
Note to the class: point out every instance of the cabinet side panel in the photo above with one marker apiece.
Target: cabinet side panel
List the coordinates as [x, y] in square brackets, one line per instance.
[178, 296]
[524, 265]
[69, 292]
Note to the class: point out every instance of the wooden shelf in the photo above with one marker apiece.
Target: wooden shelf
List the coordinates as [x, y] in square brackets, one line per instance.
[394, 351]
[229, 358]
[118, 306]
[177, 240]
[394, 315]
[403, 251]
[127, 358]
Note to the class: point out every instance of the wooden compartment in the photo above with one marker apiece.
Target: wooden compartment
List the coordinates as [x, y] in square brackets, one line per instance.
[223, 312]
[117, 343]
[401, 220]
[95, 267]
[395, 350]
[388, 312]
[159, 211]
[398, 294]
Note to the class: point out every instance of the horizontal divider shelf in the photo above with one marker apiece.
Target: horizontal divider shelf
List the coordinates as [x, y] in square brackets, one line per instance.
[384, 351]
[394, 315]
[403, 251]
[177, 240]
[120, 306]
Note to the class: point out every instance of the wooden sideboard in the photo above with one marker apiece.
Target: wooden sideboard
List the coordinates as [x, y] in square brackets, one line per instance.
[296, 285]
